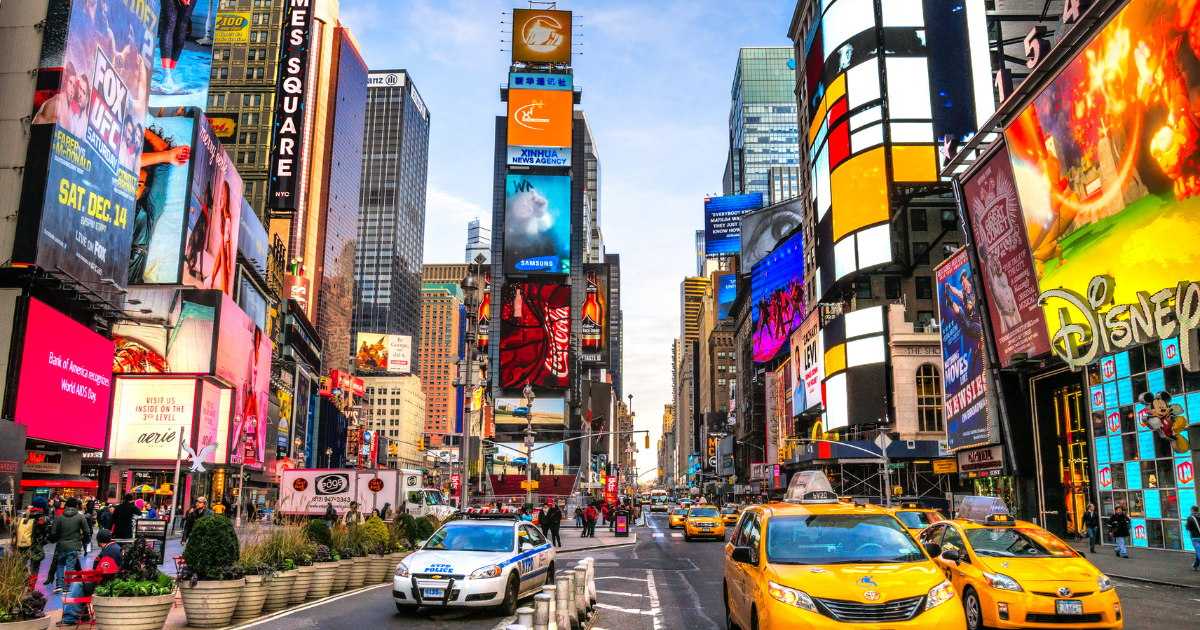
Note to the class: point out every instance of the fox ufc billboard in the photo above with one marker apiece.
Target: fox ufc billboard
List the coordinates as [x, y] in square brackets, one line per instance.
[541, 36]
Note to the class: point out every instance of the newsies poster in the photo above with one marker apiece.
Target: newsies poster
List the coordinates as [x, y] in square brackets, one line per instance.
[964, 380]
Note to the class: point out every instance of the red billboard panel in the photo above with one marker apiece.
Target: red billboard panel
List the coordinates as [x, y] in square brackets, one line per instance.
[535, 335]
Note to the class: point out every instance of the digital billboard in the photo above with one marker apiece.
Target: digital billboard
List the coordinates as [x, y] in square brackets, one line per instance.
[291, 108]
[253, 242]
[181, 344]
[64, 379]
[964, 383]
[541, 36]
[162, 195]
[183, 54]
[594, 325]
[86, 142]
[540, 81]
[722, 222]
[1104, 160]
[535, 335]
[233, 27]
[243, 359]
[213, 220]
[540, 118]
[726, 284]
[777, 297]
[808, 364]
[855, 386]
[537, 224]
[148, 415]
[990, 196]
[384, 353]
[761, 230]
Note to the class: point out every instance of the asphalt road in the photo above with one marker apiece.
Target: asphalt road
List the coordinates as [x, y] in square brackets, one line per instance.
[664, 583]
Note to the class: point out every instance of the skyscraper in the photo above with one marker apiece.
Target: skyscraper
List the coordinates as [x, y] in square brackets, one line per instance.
[441, 321]
[763, 130]
[391, 220]
[479, 241]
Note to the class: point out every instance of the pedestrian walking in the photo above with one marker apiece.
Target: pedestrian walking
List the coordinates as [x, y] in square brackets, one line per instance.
[353, 517]
[198, 511]
[578, 516]
[32, 532]
[1091, 524]
[551, 520]
[122, 521]
[1118, 528]
[1193, 529]
[330, 515]
[590, 514]
[105, 518]
[69, 532]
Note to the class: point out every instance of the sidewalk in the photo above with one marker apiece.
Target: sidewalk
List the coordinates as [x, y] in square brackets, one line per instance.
[1170, 568]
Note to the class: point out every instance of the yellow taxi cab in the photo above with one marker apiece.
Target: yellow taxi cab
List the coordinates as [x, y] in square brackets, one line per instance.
[916, 517]
[814, 562]
[1014, 574]
[677, 518]
[703, 521]
[730, 514]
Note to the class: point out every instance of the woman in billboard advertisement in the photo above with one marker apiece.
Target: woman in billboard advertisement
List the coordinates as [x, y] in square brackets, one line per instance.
[161, 155]
[250, 434]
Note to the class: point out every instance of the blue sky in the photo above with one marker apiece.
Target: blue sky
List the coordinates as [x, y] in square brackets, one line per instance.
[655, 78]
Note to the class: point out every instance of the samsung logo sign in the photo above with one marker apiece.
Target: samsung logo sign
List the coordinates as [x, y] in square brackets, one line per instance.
[390, 79]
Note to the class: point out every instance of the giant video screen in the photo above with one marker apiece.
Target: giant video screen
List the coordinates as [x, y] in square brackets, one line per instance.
[964, 383]
[214, 216]
[722, 222]
[163, 193]
[540, 118]
[537, 224]
[777, 297]
[761, 230]
[183, 53]
[1107, 159]
[243, 359]
[594, 322]
[535, 336]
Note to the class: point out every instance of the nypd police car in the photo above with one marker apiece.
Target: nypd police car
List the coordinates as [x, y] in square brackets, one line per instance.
[482, 560]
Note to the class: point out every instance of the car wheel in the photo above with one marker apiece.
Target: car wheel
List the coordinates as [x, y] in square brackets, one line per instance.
[754, 619]
[406, 609]
[687, 537]
[972, 610]
[729, 625]
[508, 607]
[550, 575]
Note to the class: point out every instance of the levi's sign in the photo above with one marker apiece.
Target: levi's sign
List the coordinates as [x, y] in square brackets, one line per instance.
[539, 156]
[291, 93]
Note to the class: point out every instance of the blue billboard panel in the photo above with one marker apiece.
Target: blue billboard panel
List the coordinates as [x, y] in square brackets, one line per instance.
[726, 294]
[964, 382]
[777, 292]
[722, 227]
[537, 224]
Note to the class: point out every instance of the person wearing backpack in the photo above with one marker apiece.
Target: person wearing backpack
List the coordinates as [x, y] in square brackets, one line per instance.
[1193, 530]
[68, 533]
[32, 532]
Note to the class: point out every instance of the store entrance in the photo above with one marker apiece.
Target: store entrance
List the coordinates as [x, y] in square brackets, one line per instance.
[1062, 421]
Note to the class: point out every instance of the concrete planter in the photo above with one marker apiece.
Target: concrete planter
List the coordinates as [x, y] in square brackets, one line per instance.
[279, 591]
[342, 575]
[254, 595]
[210, 604]
[322, 580]
[379, 565]
[358, 573]
[393, 560]
[303, 582]
[41, 623]
[132, 613]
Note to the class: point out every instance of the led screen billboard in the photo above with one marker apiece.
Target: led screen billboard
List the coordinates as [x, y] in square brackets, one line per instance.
[253, 242]
[541, 36]
[777, 297]
[181, 344]
[535, 335]
[148, 415]
[722, 231]
[761, 230]
[540, 118]
[594, 325]
[726, 284]
[1105, 159]
[808, 364]
[214, 216]
[163, 193]
[64, 379]
[964, 383]
[183, 54]
[384, 353]
[537, 224]
[854, 389]
[86, 142]
[244, 361]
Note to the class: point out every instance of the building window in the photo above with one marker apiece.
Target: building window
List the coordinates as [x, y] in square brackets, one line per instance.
[216, 100]
[949, 220]
[249, 189]
[862, 289]
[929, 398]
[891, 287]
[249, 100]
[220, 73]
[921, 253]
[924, 321]
[948, 249]
[919, 219]
[924, 287]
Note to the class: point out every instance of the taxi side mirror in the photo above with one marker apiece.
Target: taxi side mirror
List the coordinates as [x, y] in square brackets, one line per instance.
[742, 555]
[951, 555]
[933, 549]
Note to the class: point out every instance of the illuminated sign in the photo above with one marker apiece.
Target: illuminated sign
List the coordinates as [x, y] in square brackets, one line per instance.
[184, 53]
[540, 81]
[540, 118]
[777, 297]
[537, 224]
[541, 36]
[722, 222]
[595, 320]
[761, 230]
[535, 335]
[291, 107]
[964, 382]
[855, 360]
[148, 415]
[539, 156]
[233, 28]
[384, 353]
[808, 368]
[385, 79]
[984, 462]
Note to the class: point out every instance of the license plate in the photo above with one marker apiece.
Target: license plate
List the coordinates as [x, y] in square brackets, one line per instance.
[1068, 607]
[431, 592]
[706, 525]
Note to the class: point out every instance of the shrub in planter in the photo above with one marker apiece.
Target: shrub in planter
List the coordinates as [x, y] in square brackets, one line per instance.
[211, 583]
[140, 597]
[318, 532]
[212, 546]
[20, 607]
[423, 529]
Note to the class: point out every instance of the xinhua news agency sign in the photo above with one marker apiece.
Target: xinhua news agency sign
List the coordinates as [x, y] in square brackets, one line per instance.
[539, 156]
[291, 92]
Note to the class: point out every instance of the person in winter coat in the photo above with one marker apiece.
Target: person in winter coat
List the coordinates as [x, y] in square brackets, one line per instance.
[122, 523]
[105, 518]
[1193, 529]
[32, 531]
[550, 520]
[590, 514]
[353, 516]
[198, 511]
[1091, 524]
[1118, 528]
[70, 531]
[330, 515]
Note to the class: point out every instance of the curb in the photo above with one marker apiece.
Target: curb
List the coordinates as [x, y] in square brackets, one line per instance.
[304, 606]
[593, 547]
[1151, 581]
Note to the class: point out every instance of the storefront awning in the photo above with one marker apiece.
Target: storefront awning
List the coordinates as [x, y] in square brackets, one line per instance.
[46, 480]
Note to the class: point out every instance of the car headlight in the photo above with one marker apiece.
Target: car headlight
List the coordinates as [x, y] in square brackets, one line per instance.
[939, 594]
[486, 572]
[1002, 582]
[1104, 583]
[791, 597]
[402, 570]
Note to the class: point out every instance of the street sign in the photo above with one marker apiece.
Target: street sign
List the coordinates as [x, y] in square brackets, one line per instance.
[896, 465]
[945, 466]
[883, 441]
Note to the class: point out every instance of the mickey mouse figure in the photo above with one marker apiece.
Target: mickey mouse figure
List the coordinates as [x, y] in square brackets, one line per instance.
[1165, 419]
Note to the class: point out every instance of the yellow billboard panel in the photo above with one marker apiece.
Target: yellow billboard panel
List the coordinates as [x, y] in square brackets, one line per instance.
[914, 163]
[539, 118]
[541, 36]
[859, 188]
[232, 28]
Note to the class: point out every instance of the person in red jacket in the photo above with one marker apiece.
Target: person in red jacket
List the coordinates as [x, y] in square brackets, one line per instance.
[589, 521]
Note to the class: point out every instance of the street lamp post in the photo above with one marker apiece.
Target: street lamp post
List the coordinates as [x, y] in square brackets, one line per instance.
[470, 289]
[328, 458]
[528, 393]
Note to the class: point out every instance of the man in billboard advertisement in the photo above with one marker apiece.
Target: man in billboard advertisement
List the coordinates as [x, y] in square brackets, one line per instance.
[777, 296]
[541, 36]
[722, 222]
[183, 55]
[808, 364]
[540, 118]
[89, 119]
[593, 341]
[535, 335]
[244, 360]
[162, 195]
[964, 381]
[210, 248]
[1003, 247]
[761, 230]
[537, 224]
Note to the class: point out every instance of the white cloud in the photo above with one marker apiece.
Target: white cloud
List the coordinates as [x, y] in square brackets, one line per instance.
[446, 218]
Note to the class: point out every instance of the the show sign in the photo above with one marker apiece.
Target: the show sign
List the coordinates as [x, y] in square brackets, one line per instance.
[1018, 323]
[64, 379]
[148, 415]
[984, 462]
[291, 107]
[539, 156]
[808, 368]
[964, 382]
[540, 81]
[541, 36]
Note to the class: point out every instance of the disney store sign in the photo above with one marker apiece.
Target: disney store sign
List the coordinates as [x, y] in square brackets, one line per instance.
[1107, 328]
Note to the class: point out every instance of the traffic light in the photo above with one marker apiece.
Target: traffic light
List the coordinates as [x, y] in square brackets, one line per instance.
[647, 441]
[421, 443]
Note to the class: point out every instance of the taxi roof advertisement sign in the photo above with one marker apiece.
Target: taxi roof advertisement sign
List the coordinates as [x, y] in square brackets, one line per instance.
[965, 383]
[541, 36]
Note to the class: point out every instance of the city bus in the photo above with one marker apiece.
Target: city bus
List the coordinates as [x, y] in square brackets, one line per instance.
[659, 501]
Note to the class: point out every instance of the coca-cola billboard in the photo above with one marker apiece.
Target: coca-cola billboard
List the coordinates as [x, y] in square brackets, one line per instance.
[535, 335]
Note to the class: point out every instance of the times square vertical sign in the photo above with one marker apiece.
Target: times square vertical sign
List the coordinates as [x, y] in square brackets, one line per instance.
[291, 92]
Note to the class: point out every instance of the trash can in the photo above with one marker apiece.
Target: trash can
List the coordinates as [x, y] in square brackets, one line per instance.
[622, 530]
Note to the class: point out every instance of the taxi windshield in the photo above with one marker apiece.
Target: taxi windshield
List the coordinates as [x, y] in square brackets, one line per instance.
[839, 539]
[915, 520]
[1017, 542]
[472, 538]
[704, 512]
[729, 511]
[679, 513]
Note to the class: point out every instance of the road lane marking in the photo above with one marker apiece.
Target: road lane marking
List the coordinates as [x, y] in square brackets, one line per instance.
[320, 602]
[621, 594]
[653, 590]
[632, 611]
[676, 535]
[658, 535]
[618, 577]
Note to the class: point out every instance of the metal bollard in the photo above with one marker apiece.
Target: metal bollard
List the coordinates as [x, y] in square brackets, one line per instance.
[581, 591]
[525, 616]
[591, 583]
[541, 611]
[551, 591]
[566, 599]
[561, 615]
